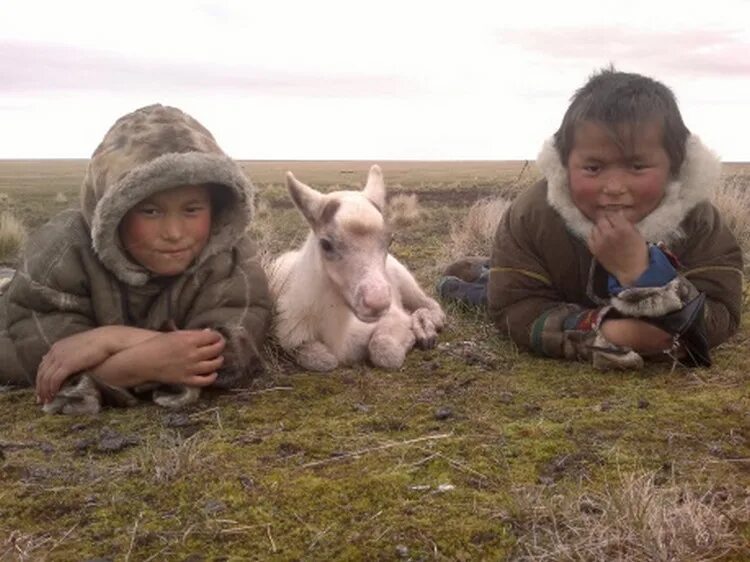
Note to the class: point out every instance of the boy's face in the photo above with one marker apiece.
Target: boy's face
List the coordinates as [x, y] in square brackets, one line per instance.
[167, 231]
[605, 180]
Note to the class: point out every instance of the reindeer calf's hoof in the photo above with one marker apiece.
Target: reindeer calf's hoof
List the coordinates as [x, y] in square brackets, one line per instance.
[424, 327]
[387, 352]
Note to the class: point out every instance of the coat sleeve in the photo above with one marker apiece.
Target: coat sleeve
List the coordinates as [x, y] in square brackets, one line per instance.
[523, 302]
[49, 297]
[710, 262]
[235, 301]
[714, 265]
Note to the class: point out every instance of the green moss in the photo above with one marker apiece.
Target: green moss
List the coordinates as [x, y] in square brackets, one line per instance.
[349, 465]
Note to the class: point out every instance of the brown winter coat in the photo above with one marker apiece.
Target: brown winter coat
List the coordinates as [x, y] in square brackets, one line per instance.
[542, 269]
[75, 276]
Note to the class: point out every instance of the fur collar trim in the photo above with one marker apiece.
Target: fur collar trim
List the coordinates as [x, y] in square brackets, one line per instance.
[164, 172]
[695, 183]
[147, 151]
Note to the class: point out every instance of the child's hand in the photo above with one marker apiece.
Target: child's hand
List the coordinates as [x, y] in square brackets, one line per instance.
[619, 247]
[636, 334]
[189, 357]
[65, 358]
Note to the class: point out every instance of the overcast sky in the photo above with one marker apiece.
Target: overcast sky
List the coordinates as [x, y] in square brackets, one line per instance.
[374, 80]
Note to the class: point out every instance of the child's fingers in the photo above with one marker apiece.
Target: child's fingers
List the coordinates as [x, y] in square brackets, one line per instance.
[208, 366]
[43, 376]
[49, 384]
[605, 225]
[202, 380]
[211, 350]
[207, 337]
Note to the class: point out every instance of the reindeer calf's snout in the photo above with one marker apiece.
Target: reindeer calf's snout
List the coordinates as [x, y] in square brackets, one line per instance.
[375, 298]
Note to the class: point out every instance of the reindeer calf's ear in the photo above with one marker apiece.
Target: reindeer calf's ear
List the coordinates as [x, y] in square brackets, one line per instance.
[306, 199]
[375, 188]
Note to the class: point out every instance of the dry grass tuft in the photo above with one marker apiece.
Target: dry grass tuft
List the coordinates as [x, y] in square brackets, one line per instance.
[261, 230]
[12, 236]
[61, 197]
[632, 520]
[403, 210]
[22, 546]
[473, 235]
[732, 198]
[172, 457]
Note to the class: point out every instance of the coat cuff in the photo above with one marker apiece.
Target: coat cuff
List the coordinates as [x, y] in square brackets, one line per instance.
[661, 270]
[566, 331]
[652, 302]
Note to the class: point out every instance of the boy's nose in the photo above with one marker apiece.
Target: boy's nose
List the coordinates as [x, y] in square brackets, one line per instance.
[172, 228]
[614, 183]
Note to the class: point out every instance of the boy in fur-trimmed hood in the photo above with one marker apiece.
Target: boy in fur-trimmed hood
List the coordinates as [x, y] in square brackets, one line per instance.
[153, 285]
[618, 254]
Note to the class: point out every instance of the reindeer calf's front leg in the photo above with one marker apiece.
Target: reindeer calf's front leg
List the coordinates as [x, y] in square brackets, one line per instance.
[426, 322]
[315, 356]
[390, 342]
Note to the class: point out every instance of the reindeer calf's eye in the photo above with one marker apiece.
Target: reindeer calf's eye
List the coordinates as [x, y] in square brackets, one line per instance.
[326, 245]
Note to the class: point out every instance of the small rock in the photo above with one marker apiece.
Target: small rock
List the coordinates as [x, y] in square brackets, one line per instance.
[505, 398]
[483, 537]
[643, 403]
[111, 441]
[716, 450]
[177, 419]
[364, 408]
[247, 482]
[83, 445]
[420, 487]
[402, 551]
[445, 487]
[532, 408]
[587, 506]
[605, 406]
[443, 413]
[214, 506]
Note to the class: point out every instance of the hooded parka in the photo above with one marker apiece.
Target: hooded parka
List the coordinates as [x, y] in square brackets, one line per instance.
[74, 274]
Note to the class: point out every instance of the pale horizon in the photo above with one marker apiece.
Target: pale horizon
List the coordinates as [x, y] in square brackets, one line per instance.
[346, 81]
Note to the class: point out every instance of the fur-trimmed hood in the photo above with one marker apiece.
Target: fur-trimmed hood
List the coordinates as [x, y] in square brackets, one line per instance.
[695, 182]
[145, 152]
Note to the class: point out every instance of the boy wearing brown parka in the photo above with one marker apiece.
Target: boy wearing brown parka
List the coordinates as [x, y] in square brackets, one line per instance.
[617, 255]
[152, 286]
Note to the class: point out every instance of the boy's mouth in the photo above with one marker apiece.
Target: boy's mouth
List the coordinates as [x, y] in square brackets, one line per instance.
[614, 208]
[175, 253]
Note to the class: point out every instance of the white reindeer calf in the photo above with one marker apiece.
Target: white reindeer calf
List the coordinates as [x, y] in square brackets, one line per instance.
[342, 298]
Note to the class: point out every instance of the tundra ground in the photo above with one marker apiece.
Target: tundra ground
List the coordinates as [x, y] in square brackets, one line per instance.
[472, 451]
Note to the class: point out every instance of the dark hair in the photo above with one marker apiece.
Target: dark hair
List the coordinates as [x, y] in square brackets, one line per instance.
[613, 99]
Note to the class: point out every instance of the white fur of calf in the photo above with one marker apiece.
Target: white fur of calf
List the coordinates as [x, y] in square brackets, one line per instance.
[341, 298]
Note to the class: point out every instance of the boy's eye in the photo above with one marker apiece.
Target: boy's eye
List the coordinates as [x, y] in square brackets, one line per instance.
[195, 209]
[592, 168]
[148, 211]
[638, 166]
